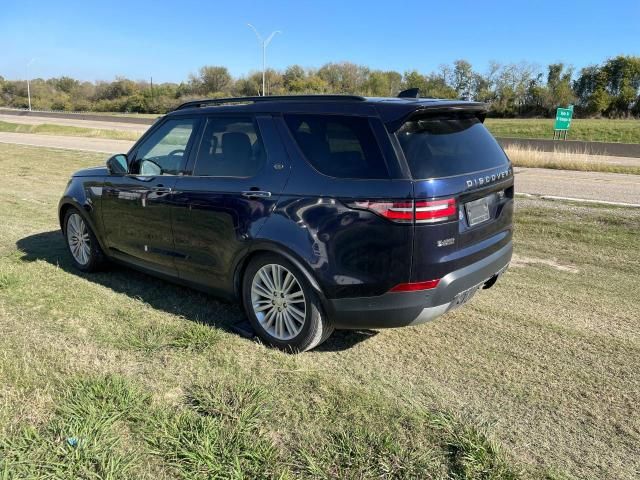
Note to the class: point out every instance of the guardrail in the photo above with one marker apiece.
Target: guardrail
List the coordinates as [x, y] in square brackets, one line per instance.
[574, 146]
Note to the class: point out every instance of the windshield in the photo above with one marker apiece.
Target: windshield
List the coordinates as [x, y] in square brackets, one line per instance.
[448, 146]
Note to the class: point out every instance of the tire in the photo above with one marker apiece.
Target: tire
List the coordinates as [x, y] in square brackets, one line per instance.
[300, 330]
[81, 242]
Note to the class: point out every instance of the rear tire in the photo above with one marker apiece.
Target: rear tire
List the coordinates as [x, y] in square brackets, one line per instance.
[81, 242]
[283, 308]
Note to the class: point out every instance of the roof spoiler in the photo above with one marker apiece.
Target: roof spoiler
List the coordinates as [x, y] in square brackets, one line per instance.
[478, 109]
[410, 93]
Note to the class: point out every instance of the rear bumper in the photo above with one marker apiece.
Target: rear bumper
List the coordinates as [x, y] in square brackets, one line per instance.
[401, 309]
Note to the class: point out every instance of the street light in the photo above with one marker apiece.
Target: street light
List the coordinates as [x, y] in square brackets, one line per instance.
[28, 86]
[264, 52]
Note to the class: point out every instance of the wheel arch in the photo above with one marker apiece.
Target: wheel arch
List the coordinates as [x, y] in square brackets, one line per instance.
[69, 203]
[266, 248]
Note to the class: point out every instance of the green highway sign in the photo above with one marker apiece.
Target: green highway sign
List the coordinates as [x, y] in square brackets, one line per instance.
[563, 118]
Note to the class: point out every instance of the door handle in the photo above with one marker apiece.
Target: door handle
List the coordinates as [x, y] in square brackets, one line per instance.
[256, 194]
[161, 189]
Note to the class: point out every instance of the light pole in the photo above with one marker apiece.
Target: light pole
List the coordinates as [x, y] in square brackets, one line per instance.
[28, 86]
[264, 44]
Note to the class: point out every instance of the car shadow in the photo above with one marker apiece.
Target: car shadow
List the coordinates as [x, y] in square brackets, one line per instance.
[163, 295]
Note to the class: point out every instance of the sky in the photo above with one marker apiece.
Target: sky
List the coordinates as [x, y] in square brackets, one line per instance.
[168, 40]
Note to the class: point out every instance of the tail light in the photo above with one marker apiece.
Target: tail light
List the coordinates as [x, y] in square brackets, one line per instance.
[408, 211]
[436, 210]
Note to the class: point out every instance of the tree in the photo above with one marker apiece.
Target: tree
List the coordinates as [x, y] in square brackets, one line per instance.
[293, 78]
[344, 77]
[414, 79]
[214, 79]
[463, 79]
[560, 93]
[623, 83]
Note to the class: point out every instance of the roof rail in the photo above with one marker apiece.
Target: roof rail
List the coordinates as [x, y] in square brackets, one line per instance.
[206, 102]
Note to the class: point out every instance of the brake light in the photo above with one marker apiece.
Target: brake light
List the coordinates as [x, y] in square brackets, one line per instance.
[408, 211]
[415, 286]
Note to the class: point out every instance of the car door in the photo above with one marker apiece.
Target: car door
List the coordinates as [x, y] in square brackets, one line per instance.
[238, 172]
[136, 207]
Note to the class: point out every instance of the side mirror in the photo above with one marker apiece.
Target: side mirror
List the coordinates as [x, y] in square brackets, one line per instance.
[118, 165]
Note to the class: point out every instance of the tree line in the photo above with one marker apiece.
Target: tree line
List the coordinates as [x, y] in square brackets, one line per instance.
[610, 89]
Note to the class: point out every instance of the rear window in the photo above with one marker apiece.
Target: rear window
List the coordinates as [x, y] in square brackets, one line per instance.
[338, 146]
[444, 147]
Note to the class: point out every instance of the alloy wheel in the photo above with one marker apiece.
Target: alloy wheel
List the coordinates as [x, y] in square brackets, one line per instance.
[78, 239]
[278, 301]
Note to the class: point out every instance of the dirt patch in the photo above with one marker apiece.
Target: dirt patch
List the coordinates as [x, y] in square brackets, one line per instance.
[519, 261]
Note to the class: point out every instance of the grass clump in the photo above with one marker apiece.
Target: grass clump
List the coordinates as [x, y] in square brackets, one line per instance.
[471, 452]
[217, 435]
[7, 280]
[149, 338]
[85, 438]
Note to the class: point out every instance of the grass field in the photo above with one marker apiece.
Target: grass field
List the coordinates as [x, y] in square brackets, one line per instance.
[592, 130]
[119, 375]
[531, 157]
[66, 130]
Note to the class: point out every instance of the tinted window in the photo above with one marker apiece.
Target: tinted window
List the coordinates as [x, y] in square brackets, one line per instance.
[443, 147]
[163, 152]
[343, 147]
[230, 147]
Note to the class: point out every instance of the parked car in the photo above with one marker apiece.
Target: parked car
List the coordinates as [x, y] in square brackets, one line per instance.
[316, 212]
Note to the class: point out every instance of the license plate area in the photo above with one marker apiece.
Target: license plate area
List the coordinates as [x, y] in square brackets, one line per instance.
[464, 296]
[477, 211]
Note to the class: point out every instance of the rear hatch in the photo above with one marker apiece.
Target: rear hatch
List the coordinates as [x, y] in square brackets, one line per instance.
[463, 191]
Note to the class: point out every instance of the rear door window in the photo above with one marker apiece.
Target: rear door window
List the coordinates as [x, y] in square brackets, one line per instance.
[338, 146]
[230, 147]
[448, 146]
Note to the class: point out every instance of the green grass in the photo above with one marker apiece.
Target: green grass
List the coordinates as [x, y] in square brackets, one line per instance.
[593, 130]
[51, 129]
[120, 375]
[533, 158]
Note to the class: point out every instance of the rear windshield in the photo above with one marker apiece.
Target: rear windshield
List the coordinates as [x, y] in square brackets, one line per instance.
[444, 147]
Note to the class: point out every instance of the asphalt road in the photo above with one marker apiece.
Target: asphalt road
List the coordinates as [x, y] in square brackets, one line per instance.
[609, 187]
[69, 143]
[72, 122]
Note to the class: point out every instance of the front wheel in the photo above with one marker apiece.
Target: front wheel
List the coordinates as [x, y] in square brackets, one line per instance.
[282, 307]
[82, 243]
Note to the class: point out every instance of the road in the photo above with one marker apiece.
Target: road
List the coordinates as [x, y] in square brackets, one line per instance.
[609, 187]
[73, 122]
[66, 142]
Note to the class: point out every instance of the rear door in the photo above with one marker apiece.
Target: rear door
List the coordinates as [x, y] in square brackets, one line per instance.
[463, 189]
[237, 175]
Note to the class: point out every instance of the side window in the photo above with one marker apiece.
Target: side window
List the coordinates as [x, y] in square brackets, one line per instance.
[163, 152]
[338, 146]
[230, 147]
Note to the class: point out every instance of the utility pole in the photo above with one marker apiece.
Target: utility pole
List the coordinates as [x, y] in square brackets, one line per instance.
[28, 86]
[264, 44]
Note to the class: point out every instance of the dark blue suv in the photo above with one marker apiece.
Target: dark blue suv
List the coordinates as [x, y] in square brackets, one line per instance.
[318, 212]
